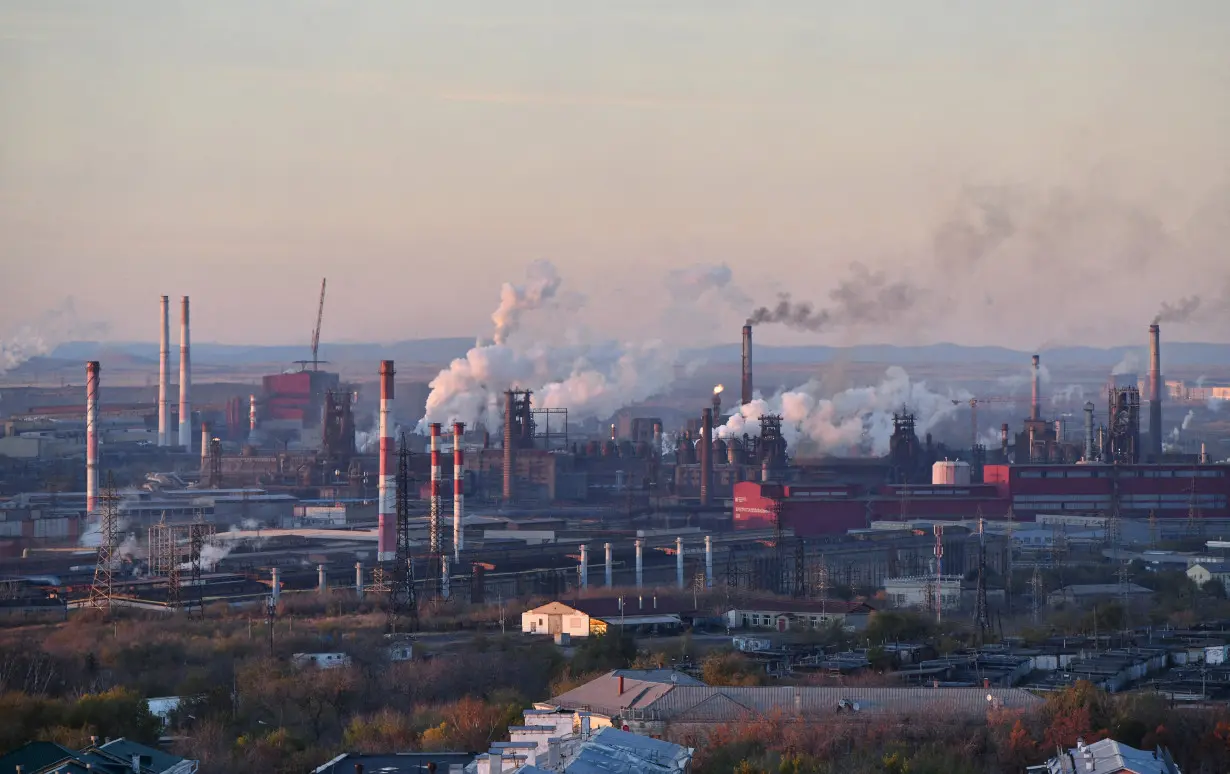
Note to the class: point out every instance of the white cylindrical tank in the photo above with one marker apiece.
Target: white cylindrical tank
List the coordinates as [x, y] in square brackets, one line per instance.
[950, 473]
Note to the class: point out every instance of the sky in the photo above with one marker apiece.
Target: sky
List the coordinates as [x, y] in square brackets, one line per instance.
[419, 154]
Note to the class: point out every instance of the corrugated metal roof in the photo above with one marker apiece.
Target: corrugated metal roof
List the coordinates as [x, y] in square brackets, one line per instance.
[602, 695]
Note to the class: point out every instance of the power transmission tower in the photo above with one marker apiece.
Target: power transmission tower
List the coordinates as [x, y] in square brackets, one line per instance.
[1011, 518]
[403, 604]
[822, 583]
[800, 557]
[939, 573]
[1035, 583]
[197, 533]
[982, 616]
[102, 590]
[1195, 520]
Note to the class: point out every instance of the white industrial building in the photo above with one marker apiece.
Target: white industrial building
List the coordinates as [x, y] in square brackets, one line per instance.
[584, 617]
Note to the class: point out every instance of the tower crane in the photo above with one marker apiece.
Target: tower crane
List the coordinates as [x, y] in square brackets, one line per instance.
[320, 316]
[973, 413]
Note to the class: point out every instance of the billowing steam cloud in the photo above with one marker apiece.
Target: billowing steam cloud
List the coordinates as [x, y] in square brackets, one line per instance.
[591, 380]
[515, 300]
[1178, 431]
[859, 419]
[1130, 364]
[1178, 312]
[40, 336]
[865, 297]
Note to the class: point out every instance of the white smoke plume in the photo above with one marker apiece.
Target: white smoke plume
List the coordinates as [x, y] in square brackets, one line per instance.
[38, 337]
[542, 283]
[860, 418]
[211, 554]
[1023, 380]
[1068, 395]
[591, 380]
[1130, 364]
[692, 283]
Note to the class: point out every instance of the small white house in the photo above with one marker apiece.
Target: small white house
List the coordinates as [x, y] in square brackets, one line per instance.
[555, 618]
[321, 660]
[592, 616]
[920, 591]
[1203, 573]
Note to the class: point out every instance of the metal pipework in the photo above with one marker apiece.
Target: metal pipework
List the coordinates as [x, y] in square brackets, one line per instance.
[508, 446]
[640, 567]
[185, 380]
[164, 375]
[459, 496]
[92, 370]
[386, 548]
[610, 569]
[679, 561]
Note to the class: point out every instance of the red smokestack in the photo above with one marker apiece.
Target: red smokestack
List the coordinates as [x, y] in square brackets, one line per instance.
[747, 364]
[435, 488]
[386, 541]
[1155, 391]
[458, 491]
[92, 370]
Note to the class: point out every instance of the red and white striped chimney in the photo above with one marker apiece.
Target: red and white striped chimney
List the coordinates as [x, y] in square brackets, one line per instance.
[434, 524]
[386, 540]
[458, 491]
[91, 436]
[164, 376]
[185, 383]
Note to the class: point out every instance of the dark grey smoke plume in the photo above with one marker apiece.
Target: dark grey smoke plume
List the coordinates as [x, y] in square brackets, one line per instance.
[865, 297]
[964, 241]
[1179, 312]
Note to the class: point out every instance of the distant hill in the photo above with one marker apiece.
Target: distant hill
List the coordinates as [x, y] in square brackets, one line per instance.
[439, 351]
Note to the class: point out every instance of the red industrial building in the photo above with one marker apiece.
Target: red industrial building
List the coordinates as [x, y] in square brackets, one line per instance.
[1166, 491]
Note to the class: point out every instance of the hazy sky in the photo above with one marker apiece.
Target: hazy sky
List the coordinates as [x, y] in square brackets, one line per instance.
[420, 153]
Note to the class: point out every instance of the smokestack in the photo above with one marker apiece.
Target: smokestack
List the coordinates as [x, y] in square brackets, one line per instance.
[508, 446]
[1204, 454]
[706, 454]
[322, 580]
[640, 567]
[251, 416]
[717, 406]
[275, 585]
[678, 563]
[1155, 391]
[609, 567]
[747, 364]
[444, 577]
[164, 375]
[91, 435]
[185, 381]
[708, 562]
[386, 540]
[1089, 432]
[584, 566]
[1003, 440]
[459, 496]
[358, 579]
[204, 441]
[1034, 412]
[434, 523]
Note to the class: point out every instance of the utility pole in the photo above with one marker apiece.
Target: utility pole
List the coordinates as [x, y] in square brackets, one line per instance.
[1036, 584]
[271, 615]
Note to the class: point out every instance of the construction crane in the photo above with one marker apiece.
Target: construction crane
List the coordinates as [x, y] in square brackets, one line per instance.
[320, 316]
[973, 413]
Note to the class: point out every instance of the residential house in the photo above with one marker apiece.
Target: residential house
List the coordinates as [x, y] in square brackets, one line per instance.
[1108, 757]
[800, 615]
[592, 616]
[117, 755]
[1203, 573]
[397, 763]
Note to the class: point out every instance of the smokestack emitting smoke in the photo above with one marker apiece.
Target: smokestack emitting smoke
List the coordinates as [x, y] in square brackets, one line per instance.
[91, 435]
[1034, 411]
[706, 454]
[434, 524]
[386, 539]
[164, 376]
[746, 397]
[1155, 392]
[184, 437]
[508, 446]
[458, 490]
[863, 297]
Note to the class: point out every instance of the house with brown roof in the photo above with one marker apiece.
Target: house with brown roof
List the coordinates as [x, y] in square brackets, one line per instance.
[786, 615]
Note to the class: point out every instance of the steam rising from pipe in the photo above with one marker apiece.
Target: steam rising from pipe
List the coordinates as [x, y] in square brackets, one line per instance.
[865, 297]
[41, 335]
[859, 419]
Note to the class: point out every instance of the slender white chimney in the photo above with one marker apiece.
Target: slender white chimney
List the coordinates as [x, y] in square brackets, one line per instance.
[164, 376]
[708, 562]
[459, 496]
[184, 438]
[679, 561]
[609, 568]
[322, 579]
[386, 538]
[1089, 432]
[204, 441]
[275, 586]
[640, 575]
[92, 370]
[358, 579]
[584, 566]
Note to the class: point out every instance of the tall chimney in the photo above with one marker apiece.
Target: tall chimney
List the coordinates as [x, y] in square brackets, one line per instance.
[204, 441]
[322, 579]
[386, 540]
[1003, 440]
[606, 547]
[1034, 412]
[164, 376]
[508, 446]
[708, 562]
[275, 584]
[91, 435]
[706, 455]
[679, 562]
[185, 382]
[717, 406]
[251, 416]
[433, 525]
[459, 537]
[584, 566]
[747, 364]
[358, 579]
[1155, 392]
[1089, 432]
[640, 566]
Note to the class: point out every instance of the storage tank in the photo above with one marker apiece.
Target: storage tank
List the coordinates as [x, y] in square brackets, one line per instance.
[950, 473]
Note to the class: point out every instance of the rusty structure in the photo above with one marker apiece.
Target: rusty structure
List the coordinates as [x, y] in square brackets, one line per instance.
[518, 434]
[1122, 444]
[337, 428]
